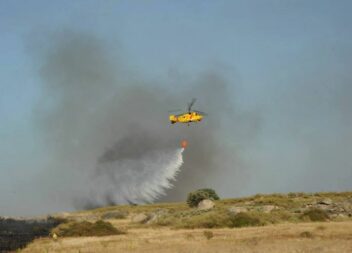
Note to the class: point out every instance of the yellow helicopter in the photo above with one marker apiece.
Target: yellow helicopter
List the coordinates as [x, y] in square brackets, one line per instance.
[187, 117]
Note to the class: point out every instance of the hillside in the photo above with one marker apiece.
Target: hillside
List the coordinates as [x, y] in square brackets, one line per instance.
[271, 223]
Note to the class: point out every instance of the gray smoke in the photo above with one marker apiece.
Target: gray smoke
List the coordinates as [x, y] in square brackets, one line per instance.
[101, 120]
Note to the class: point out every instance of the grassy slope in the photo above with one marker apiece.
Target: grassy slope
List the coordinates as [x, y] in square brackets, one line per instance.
[285, 236]
[291, 200]
[179, 215]
[322, 237]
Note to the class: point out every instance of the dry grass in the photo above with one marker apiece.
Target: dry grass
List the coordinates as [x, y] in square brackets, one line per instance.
[285, 201]
[322, 237]
[179, 228]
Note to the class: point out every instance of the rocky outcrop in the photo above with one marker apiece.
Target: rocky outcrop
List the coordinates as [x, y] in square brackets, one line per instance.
[333, 209]
[206, 204]
[326, 201]
[140, 218]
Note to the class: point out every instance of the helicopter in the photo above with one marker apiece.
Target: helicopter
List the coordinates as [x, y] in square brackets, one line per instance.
[187, 117]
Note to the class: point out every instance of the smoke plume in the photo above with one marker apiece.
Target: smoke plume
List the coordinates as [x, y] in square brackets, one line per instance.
[107, 132]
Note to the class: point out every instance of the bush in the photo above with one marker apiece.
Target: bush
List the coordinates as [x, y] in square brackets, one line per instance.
[208, 234]
[197, 196]
[85, 228]
[244, 220]
[315, 214]
[166, 221]
[205, 220]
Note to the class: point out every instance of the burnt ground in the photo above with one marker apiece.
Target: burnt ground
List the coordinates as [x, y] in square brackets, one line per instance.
[16, 234]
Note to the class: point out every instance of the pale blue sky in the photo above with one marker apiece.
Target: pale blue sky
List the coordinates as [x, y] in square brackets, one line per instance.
[292, 60]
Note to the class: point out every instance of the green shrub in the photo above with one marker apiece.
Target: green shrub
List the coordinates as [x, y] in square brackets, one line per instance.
[244, 220]
[197, 196]
[202, 221]
[315, 214]
[85, 228]
[166, 221]
[210, 219]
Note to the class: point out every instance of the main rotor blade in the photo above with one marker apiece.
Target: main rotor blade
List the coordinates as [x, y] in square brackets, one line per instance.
[191, 104]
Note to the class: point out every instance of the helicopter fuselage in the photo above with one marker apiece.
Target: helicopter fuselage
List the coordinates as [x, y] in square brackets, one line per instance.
[186, 117]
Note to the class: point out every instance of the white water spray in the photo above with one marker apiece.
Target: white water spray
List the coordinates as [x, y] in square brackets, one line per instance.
[139, 181]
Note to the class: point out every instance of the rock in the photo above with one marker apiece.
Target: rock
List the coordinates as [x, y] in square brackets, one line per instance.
[140, 218]
[268, 208]
[153, 217]
[55, 236]
[114, 215]
[238, 209]
[206, 204]
[340, 215]
[347, 206]
[326, 201]
[323, 207]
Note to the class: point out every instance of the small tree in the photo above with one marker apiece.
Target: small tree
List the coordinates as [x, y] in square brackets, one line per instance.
[197, 196]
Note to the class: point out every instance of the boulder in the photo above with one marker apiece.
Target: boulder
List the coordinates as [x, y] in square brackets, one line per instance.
[347, 206]
[206, 204]
[54, 236]
[340, 215]
[237, 209]
[153, 218]
[337, 216]
[140, 218]
[326, 201]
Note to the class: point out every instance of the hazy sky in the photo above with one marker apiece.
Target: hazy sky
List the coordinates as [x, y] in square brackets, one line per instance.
[289, 63]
